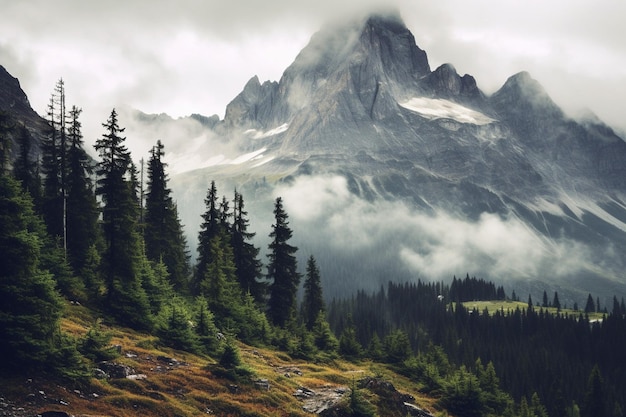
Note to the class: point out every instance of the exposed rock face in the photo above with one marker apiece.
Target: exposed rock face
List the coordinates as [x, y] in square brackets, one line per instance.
[12, 97]
[14, 102]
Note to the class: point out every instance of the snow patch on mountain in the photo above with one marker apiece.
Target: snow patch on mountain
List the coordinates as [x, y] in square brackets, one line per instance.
[258, 154]
[256, 134]
[567, 204]
[263, 160]
[437, 108]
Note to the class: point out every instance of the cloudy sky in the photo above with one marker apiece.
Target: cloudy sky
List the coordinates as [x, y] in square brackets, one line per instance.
[194, 56]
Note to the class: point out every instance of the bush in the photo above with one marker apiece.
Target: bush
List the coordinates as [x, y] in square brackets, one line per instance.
[96, 345]
[230, 357]
[178, 333]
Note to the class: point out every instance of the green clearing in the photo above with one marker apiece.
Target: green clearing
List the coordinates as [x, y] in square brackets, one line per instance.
[509, 307]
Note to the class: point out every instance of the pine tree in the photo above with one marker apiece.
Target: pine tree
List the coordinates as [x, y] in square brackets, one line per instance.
[590, 307]
[555, 302]
[205, 326]
[397, 347]
[224, 215]
[245, 253]
[54, 166]
[616, 307]
[358, 405]
[536, 407]
[230, 358]
[544, 303]
[208, 230]
[349, 346]
[252, 322]
[323, 336]
[83, 232]
[96, 344]
[177, 332]
[594, 403]
[126, 298]
[375, 348]
[219, 284]
[52, 200]
[165, 240]
[462, 394]
[30, 307]
[282, 269]
[313, 302]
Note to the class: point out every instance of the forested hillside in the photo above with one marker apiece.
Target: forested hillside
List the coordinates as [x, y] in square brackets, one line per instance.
[573, 363]
[107, 236]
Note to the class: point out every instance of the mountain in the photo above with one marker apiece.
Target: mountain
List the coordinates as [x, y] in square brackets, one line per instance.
[14, 102]
[505, 186]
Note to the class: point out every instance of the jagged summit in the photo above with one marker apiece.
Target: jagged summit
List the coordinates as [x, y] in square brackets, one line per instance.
[14, 102]
[446, 82]
[523, 91]
[375, 57]
[13, 99]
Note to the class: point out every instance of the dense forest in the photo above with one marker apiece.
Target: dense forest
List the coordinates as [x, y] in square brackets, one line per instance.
[92, 232]
[565, 359]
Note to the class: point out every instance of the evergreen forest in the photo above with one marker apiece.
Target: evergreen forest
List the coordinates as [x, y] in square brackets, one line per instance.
[75, 230]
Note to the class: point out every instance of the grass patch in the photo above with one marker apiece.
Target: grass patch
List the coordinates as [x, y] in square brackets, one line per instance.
[510, 307]
[190, 384]
[143, 406]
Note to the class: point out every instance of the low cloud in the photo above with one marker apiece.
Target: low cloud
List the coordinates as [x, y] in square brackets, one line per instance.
[388, 240]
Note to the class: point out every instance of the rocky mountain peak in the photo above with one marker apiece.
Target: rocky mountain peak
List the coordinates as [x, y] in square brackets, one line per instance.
[521, 91]
[14, 102]
[388, 37]
[12, 98]
[250, 104]
[446, 82]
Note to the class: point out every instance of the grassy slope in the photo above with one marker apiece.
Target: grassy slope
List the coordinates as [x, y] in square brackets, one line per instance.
[510, 306]
[190, 388]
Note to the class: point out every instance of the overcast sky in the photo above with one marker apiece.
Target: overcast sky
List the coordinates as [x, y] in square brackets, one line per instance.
[194, 56]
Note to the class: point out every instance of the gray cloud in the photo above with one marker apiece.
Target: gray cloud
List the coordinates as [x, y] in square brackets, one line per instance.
[363, 245]
[195, 56]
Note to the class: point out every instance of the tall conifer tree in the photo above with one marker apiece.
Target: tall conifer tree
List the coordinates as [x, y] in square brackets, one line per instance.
[209, 229]
[30, 307]
[52, 204]
[245, 253]
[126, 298]
[163, 232]
[313, 301]
[594, 402]
[282, 269]
[82, 208]
[219, 285]
[590, 306]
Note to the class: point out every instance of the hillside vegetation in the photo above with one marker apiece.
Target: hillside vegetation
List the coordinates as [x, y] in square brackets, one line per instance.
[154, 380]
